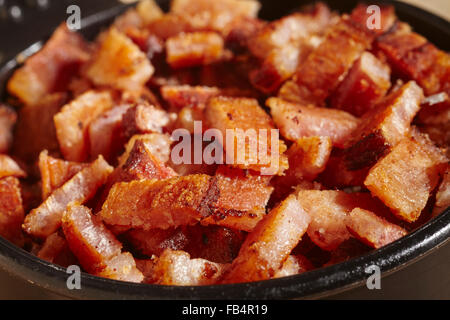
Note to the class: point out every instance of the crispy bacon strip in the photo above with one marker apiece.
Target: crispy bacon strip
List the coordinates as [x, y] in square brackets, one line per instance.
[366, 83]
[46, 219]
[98, 251]
[297, 121]
[320, 74]
[237, 118]
[119, 63]
[177, 268]
[11, 210]
[72, 123]
[149, 204]
[51, 69]
[8, 167]
[8, 118]
[195, 49]
[404, 179]
[56, 172]
[372, 229]
[244, 209]
[384, 126]
[269, 245]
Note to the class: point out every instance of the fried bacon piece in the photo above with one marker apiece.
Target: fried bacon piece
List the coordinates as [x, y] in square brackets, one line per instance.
[364, 17]
[72, 123]
[148, 11]
[149, 204]
[242, 121]
[372, 229]
[177, 268]
[404, 179]
[383, 127]
[51, 69]
[214, 15]
[294, 265]
[56, 172]
[412, 57]
[8, 118]
[337, 176]
[242, 200]
[105, 133]
[98, 251]
[144, 118]
[42, 132]
[297, 121]
[119, 63]
[158, 144]
[284, 44]
[56, 250]
[46, 219]
[270, 243]
[11, 210]
[195, 49]
[366, 83]
[443, 195]
[179, 97]
[321, 72]
[8, 167]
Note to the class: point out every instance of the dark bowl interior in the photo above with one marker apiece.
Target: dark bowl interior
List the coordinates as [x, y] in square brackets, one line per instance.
[316, 283]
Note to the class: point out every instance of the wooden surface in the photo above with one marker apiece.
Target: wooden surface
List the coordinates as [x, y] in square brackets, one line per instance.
[426, 279]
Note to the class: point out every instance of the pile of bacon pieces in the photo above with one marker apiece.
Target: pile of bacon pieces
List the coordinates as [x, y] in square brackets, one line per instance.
[86, 171]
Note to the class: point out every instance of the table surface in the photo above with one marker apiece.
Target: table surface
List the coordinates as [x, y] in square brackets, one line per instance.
[428, 278]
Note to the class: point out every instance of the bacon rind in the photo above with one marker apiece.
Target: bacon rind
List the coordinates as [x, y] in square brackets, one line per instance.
[270, 243]
[46, 219]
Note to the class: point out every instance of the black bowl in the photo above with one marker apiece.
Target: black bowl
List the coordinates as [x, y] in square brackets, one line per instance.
[317, 283]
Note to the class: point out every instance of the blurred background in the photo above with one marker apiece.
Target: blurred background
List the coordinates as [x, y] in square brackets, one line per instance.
[428, 278]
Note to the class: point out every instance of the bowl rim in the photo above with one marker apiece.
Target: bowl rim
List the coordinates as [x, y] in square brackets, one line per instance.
[312, 284]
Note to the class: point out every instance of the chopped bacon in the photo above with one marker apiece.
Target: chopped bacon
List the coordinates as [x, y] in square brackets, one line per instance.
[11, 210]
[244, 209]
[72, 123]
[105, 133]
[56, 172]
[270, 243]
[98, 251]
[366, 83]
[170, 25]
[42, 132]
[158, 144]
[195, 49]
[297, 121]
[51, 69]
[372, 229]
[365, 18]
[8, 118]
[412, 57]
[384, 126]
[148, 11]
[119, 63]
[8, 167]
[294, 265]
[404, 179]
[149, 204]
[443, 195]
[46, 219]
[242, 121]
[177, 268]
[337, 176]
[144, 118]
[179, 97]
[56, 250]
[240, 32]
[321, 72]
[215, 15]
